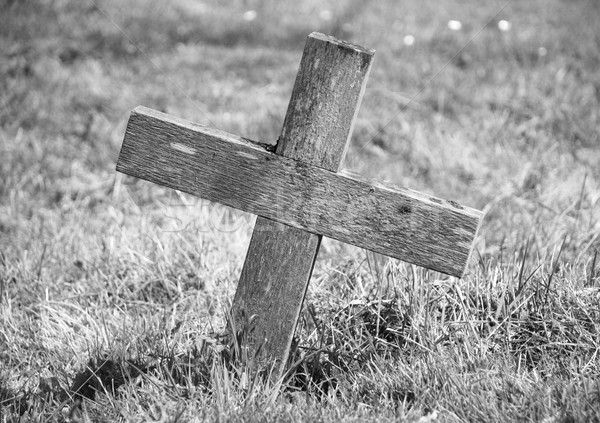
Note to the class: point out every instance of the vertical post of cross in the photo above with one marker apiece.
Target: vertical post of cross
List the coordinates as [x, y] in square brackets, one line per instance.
[317, 128]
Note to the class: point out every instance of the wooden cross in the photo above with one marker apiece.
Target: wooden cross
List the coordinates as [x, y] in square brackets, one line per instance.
[298, 192]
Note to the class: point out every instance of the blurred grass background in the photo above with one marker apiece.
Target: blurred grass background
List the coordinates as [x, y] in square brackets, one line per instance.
[503, 117]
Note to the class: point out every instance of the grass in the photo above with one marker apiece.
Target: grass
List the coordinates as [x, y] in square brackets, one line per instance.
[114, 292]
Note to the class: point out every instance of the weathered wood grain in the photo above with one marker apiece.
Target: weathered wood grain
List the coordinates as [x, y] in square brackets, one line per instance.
[228, 169]
[272, 287]
[325, 101]
[297, 193]
[317, 127]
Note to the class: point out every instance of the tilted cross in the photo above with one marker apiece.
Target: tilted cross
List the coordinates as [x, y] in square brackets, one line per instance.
[298, 192]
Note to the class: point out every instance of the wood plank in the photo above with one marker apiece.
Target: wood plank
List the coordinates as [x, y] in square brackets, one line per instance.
[317, 128]
[325, 101]
[225, 168]
[274, 300]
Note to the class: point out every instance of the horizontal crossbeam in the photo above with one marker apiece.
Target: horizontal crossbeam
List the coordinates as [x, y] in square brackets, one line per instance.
[231, 170]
